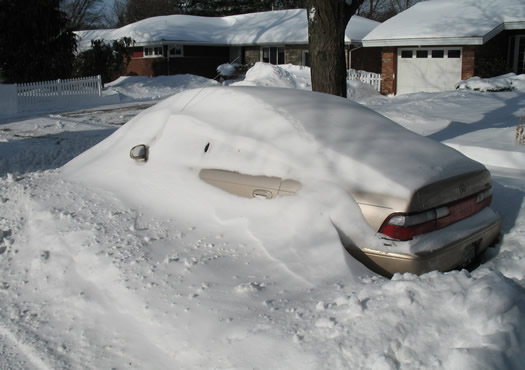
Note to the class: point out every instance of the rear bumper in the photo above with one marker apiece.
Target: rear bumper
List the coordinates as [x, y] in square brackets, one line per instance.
[456, 254]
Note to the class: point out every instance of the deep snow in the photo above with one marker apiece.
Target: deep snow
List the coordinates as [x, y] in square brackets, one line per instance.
[447, 22]
[288, 26]
[94, 279]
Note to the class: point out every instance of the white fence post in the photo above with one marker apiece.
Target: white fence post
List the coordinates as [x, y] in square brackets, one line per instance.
[370, 78]
[99, 84]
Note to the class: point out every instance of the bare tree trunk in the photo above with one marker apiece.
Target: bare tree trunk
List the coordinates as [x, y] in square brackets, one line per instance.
[327, 20]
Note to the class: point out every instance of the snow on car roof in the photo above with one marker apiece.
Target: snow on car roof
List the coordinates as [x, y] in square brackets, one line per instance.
[449, 22]
[282, 26]
[279, 132]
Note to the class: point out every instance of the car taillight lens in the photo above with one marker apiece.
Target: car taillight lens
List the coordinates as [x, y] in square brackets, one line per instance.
[402, 226]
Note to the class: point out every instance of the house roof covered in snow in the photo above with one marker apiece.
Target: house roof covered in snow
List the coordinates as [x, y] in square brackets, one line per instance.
[274, 27]
[449, 22]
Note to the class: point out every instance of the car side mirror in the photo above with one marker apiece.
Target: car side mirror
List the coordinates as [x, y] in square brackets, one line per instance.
[139, 153]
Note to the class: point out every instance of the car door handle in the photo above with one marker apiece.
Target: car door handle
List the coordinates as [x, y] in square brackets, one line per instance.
[261, 193]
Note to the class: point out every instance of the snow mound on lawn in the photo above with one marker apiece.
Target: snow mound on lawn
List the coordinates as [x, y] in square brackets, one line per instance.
[139, 88]
[507, 82]
[361, 92]
[298, 77]
[285, 76]
[227, 69]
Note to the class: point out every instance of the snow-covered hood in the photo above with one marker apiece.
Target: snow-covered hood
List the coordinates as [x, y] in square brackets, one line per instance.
[309, 137]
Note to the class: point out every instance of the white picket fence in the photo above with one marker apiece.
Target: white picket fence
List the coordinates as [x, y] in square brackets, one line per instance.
[370, 78]
[53, 93]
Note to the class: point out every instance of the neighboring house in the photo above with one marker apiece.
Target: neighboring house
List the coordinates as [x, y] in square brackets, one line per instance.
[436, 43]
[177, 44]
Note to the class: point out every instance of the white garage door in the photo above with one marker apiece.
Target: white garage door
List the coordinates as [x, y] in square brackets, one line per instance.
[428, 69]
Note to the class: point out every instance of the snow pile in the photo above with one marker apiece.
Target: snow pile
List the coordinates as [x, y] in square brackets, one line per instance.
[226, 69]
[297, 139]
[177, 131]
[285, 75]
[298, 77]
[139, 88]
[361, 92]
[113, 284]
[507, 82]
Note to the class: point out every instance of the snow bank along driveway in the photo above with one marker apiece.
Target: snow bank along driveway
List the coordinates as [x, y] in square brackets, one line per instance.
[94, 279]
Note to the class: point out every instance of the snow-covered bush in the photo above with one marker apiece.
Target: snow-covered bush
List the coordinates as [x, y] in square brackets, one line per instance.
[285, 75]
[506, 82]
[226, 69]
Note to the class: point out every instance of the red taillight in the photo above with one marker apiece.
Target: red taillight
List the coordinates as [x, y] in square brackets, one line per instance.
[406, 232]
[402, 226]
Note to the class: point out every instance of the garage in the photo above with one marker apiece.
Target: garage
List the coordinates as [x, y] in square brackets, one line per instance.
[428, 69]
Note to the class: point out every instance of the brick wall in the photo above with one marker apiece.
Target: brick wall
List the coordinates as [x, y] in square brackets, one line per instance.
[141, 67]
[206, 67]
[198, 60]
[137, 53]
[388, 70]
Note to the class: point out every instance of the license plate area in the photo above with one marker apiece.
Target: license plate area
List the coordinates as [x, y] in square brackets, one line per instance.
[470, 252]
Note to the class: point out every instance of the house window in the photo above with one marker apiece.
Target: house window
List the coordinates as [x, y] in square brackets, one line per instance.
[273, 55]
[153, 51]
[406, 53]
[422, 54]
[176, 51]
[454, 53]
[438, 54]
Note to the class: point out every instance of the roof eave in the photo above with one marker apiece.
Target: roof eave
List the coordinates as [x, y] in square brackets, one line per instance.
[517, 25]
[478, 40]
[471, 40]
[225, 43]
[496, 30]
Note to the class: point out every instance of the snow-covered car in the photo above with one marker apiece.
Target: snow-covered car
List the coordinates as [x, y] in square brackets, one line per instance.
[426, 205]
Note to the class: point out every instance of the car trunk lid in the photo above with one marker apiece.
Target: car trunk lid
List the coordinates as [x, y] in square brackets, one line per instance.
[449, 190]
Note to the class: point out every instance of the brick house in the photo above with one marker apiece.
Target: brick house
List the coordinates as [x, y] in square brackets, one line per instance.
[436, 43]
[179, 44]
